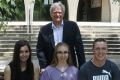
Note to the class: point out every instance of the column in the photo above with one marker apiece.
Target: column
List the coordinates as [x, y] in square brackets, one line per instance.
[72, 9]
[105, 11]
[29, 8]
[114, 11]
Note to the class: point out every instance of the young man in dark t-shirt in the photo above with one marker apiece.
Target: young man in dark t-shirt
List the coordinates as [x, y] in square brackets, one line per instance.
[99, 67]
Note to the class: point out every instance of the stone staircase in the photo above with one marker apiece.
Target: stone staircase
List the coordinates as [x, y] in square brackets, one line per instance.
[89, 31]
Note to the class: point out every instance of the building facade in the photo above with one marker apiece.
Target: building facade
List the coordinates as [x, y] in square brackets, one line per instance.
[79, 10]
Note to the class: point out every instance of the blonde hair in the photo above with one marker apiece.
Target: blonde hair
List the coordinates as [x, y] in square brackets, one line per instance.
[55, 59]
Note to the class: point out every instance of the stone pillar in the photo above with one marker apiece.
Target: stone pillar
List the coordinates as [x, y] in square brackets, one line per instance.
[114, 11]
[29, 8]
[72, 9]
[105, 11]
[119, 15]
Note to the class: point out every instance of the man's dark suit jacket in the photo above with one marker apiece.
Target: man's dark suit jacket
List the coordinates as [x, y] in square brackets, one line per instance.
[71, 36]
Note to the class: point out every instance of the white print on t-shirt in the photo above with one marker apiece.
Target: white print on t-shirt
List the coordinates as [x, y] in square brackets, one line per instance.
[95, 3]
[101, 77]
[104, 71]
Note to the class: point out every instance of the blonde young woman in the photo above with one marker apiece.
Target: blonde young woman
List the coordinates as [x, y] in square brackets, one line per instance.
[61, 67]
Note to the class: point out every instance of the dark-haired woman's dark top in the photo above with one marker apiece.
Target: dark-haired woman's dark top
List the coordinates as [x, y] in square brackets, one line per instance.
[23, 74]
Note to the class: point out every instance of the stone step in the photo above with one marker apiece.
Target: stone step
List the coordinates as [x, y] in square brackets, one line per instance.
[88, 32]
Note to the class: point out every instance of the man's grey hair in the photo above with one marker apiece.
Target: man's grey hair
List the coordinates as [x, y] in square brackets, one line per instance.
[54, 5]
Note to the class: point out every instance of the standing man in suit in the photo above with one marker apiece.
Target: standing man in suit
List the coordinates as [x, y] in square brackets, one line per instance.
[59, 30]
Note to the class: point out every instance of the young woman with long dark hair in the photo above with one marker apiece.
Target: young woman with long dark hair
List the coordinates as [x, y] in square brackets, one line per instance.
[21, 67]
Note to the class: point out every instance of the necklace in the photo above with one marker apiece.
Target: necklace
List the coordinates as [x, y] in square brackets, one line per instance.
[62, 69]
[63, 74]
